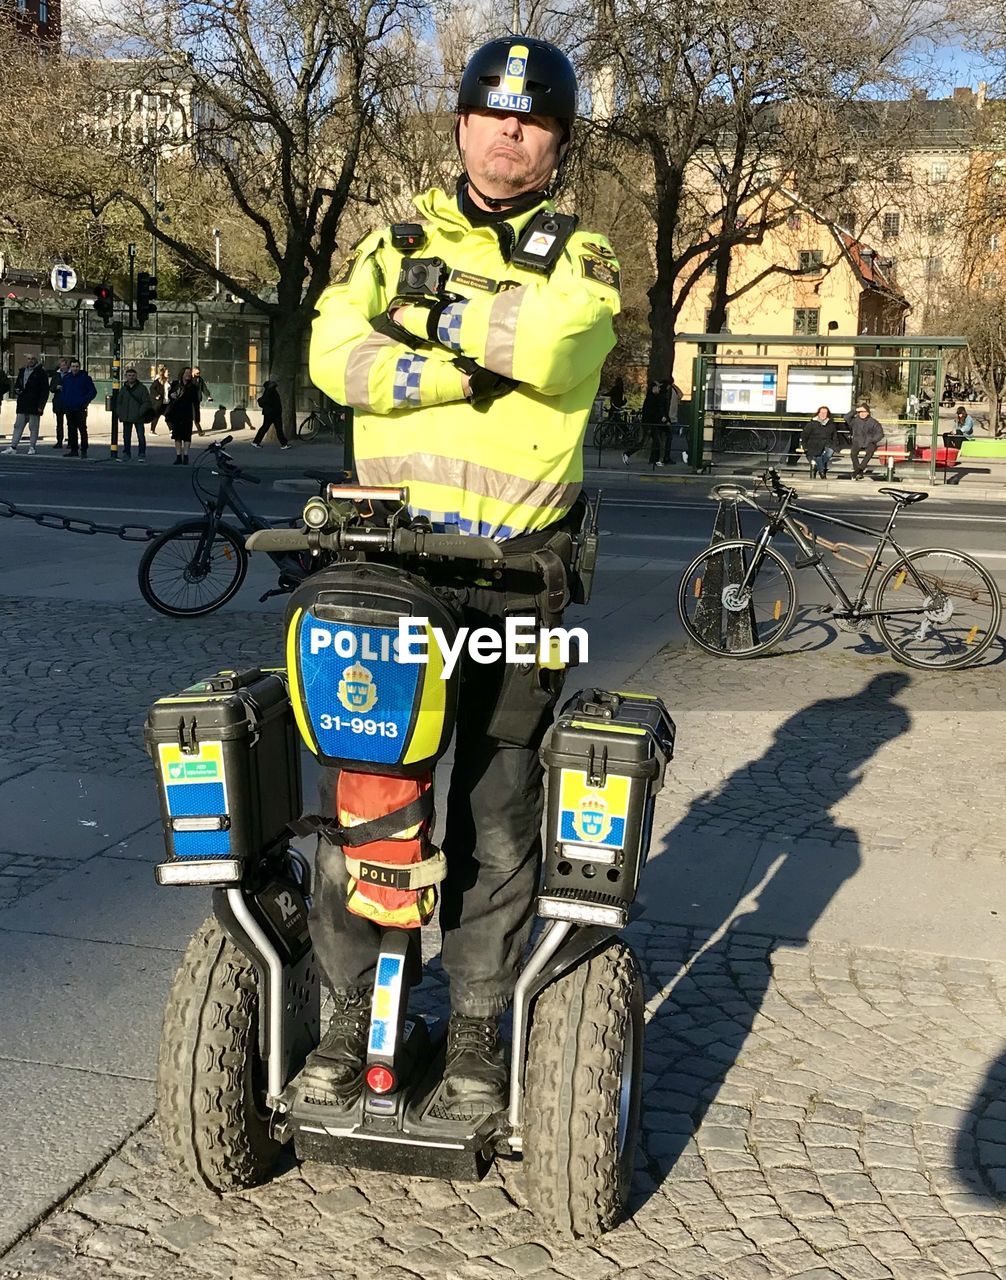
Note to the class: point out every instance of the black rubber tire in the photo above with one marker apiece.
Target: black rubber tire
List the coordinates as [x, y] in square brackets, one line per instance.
[187, 529]
[973, 653]
[310, 427]
[724, 550]
[210, 1080]
[576, 1178]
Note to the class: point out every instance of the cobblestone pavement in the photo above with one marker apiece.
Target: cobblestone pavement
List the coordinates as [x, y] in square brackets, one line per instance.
[78, 680]
[812, 1110]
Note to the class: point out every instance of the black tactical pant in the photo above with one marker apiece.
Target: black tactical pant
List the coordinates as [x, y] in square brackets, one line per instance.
[492, 843]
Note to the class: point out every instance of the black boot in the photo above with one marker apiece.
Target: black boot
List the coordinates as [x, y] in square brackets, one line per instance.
[475, 1073]
[333, 1073]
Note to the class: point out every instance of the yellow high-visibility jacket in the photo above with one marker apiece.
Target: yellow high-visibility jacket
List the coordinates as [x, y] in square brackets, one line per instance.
[502, 469]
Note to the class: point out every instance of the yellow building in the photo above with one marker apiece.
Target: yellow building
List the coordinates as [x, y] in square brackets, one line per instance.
[807, 276]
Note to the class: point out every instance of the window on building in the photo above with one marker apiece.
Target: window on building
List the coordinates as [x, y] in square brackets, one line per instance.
[22, 7]
[807, 320]
[894, 172]
[793, 222]
[43, 12]
[940, 171]
[811, 259]
[850, 174]
[934, 268]
[892, 226]
[997, 174]
[936, 223]
[990, 280]
[847, 221]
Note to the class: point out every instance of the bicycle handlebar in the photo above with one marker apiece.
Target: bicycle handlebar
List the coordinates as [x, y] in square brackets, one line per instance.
[452, 546]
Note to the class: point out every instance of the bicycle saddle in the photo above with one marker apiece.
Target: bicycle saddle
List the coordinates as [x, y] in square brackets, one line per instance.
[904, 496]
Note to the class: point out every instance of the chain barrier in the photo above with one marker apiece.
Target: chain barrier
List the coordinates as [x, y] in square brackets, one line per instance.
[73, 524]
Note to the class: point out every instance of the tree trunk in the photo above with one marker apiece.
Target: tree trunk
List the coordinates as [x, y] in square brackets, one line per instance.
[287, 335]
[718, 303]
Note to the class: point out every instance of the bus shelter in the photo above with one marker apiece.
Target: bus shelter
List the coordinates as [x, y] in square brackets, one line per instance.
[753, 394]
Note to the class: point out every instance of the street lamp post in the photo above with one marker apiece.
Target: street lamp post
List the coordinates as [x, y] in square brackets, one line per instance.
[216, 237]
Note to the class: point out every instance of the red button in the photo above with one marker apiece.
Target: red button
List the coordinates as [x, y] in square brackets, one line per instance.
[380, 1079]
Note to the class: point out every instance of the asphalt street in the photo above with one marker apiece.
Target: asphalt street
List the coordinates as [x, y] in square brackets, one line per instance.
[821, 933]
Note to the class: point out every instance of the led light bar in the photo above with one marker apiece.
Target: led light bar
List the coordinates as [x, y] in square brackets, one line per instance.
[203, 871]
[581, 912]
[209, 822]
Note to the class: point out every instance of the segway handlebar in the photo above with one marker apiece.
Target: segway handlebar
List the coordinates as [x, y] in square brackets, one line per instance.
[452, 546]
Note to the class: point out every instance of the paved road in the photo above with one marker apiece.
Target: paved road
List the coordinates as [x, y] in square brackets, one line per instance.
[821, 938]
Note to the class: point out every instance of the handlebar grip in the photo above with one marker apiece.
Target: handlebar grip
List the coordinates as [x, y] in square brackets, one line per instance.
[277, 540]
[225, 441]
[457, 545]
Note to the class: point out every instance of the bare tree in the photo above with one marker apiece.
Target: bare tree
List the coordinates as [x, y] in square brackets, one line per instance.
[715, 106]
[274, 100]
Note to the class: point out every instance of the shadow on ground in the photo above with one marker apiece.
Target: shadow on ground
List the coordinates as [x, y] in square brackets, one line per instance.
[759, 885]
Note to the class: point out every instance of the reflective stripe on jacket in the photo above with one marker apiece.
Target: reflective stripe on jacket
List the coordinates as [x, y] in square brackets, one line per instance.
[509, 467]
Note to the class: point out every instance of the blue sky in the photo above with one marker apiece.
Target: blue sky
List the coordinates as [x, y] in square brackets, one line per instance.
[958, 66]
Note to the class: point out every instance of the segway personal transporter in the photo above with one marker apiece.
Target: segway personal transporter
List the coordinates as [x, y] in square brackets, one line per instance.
[244, 1011]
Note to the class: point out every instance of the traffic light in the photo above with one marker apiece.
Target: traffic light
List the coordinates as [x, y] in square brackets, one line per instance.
[146, 296]
[104, 302]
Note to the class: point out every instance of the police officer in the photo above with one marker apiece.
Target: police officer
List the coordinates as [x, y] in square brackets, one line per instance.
[472, 372]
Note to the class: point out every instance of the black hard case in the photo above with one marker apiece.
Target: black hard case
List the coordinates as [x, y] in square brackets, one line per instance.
[249, 712]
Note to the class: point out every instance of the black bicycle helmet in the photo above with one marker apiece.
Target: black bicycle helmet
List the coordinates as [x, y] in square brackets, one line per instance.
[520, 74]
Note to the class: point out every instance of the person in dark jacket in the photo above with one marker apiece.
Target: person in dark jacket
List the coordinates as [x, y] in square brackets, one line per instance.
[272, 414]
[656, 422]
[134, 408]
[180, 415]
[204, 392]
[78, 391]
[159, 389]
[56, 388]
[31, 389]
[865, 433]
[820, 442]
[964, 429]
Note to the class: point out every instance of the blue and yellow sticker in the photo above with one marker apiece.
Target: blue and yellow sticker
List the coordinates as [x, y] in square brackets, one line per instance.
[510, 96]
[384, 1006]
[195, 786]
[593, 815]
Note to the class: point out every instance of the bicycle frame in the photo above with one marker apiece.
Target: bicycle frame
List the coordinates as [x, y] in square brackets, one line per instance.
[779, 521]
[226, 499]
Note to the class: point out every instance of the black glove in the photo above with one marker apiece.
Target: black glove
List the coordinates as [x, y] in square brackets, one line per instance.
[484, 386]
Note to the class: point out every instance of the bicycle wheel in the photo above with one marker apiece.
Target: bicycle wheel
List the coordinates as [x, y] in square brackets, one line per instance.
[942, 612]
[723, 621]
[310, 427]
[183, 577]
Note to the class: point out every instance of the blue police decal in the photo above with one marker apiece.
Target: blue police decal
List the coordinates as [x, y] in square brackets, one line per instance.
[357, 696]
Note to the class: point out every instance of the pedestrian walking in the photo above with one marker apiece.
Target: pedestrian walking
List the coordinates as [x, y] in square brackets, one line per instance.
[203, 392]
[31, 391]
[56, 390]
[180, 415]
[4, 389]
[78, 391]
[865, 434]
[272, 414]
[820, 442]
[655, 420]
[159, 390]
[135, 409]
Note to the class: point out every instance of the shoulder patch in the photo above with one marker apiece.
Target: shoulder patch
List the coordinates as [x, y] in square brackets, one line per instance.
[602, 250]
[343, 275]
[604, 272]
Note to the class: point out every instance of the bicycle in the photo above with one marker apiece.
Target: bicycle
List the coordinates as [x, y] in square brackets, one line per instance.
[198, 565]
[933, 608]
[323, 419]
[621, 429]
